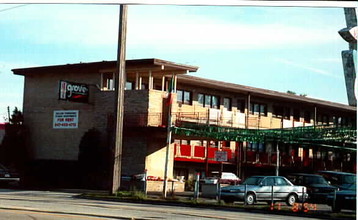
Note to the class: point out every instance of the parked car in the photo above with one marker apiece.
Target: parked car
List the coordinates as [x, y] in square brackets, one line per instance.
[345, 199]
[8, 177]
[317, 187]
[342, 180]
[226, 178]
[259, 188]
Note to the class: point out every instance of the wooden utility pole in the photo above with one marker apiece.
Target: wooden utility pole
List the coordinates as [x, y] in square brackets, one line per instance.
[120, 79]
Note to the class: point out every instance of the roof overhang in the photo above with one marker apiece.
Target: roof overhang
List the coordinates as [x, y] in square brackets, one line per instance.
[142, 66]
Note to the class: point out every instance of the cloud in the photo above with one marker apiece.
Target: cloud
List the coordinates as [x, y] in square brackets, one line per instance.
[306, 67]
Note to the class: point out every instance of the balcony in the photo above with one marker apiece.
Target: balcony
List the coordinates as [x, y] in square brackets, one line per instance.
[198, 154]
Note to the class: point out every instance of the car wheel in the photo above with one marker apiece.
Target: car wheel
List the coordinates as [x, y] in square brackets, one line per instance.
[250, 199]
[291, 199]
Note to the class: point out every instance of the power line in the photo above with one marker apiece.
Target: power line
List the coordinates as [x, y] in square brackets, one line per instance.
[6, 9]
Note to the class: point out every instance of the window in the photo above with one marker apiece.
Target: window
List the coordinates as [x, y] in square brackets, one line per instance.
[227, 103]
[281, 181]
[259, 147]
[209, 101]
[296, 114]
[129, 85]
[258, 109]
[307, 117]
[277, 111]
[107, 81]
[241, 106]
[269, 181]
[201, 99]
[184, 97]
[286, 113]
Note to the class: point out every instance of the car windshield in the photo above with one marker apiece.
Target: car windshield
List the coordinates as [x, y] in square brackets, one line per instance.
[253, 180]
[316, 180]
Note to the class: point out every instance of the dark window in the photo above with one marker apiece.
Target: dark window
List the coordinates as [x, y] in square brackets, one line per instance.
[241, 106]
[215, 102]
[307, 116]
[209, 101]
[227, 103]
[184, 97]
[179, 96]
[187, 97]
[269, 181]
[296, 114]
[201, 99]
[277, 111]
[258, 109]
[286, 112]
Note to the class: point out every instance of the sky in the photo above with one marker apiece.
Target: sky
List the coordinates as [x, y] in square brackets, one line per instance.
[276, 48]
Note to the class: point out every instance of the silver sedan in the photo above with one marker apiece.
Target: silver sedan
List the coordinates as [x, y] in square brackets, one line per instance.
[264, 188]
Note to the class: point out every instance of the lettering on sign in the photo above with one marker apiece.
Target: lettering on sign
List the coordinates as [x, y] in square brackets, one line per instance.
[65, 119]
[74, 92]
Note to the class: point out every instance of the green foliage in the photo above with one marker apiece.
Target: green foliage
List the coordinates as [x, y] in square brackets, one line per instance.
[137, 195]
[291, 92]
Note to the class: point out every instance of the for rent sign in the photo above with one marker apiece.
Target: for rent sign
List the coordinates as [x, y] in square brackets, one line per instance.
[65, 119]
[74, 92]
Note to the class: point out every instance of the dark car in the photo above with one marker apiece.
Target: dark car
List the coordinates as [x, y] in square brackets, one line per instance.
[342, 180]
[317, 187]
[264, 188]
[345, 199]
[8, 177]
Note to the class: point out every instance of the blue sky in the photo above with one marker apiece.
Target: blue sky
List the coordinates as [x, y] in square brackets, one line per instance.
[277, 48]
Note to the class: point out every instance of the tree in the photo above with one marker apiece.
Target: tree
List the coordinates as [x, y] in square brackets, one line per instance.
[291, 92]
[13, 151]
[16, 118]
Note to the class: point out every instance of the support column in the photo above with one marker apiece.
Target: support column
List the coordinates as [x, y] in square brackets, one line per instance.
[163, 83]
[175, 83]
[140, 83]
[137, 85]
[150, 86]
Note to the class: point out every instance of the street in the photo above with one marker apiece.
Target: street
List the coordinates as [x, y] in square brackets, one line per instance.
[43, 205]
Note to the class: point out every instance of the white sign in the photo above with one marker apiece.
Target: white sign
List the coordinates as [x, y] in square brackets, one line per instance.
[65, 119]
[221, 156]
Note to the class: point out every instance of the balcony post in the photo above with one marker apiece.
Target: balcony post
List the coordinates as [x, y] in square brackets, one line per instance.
[163, 83]
[150, 86]
[137, 85]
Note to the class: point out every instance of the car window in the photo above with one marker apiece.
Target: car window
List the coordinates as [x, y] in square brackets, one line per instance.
[349, 179]
[281, 181]
[269, 181]
[315, 180]
[253, 181]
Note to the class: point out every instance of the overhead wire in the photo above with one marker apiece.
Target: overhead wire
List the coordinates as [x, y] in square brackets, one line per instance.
[7, 9]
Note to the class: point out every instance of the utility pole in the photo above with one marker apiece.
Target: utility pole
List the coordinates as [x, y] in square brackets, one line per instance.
[349, 57]
[120, 79]
[169, 136]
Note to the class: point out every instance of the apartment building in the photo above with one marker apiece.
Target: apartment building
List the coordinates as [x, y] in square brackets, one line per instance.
[63, 103]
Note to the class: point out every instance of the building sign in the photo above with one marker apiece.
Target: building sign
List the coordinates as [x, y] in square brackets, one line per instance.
[65, 119]
[221, 156]
[74, 92]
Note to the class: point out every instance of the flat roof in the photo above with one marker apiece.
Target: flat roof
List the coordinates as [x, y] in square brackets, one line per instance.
[157, 66]
[265, 93]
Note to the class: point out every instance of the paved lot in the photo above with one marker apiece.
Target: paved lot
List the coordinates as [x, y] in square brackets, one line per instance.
[26, 204]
